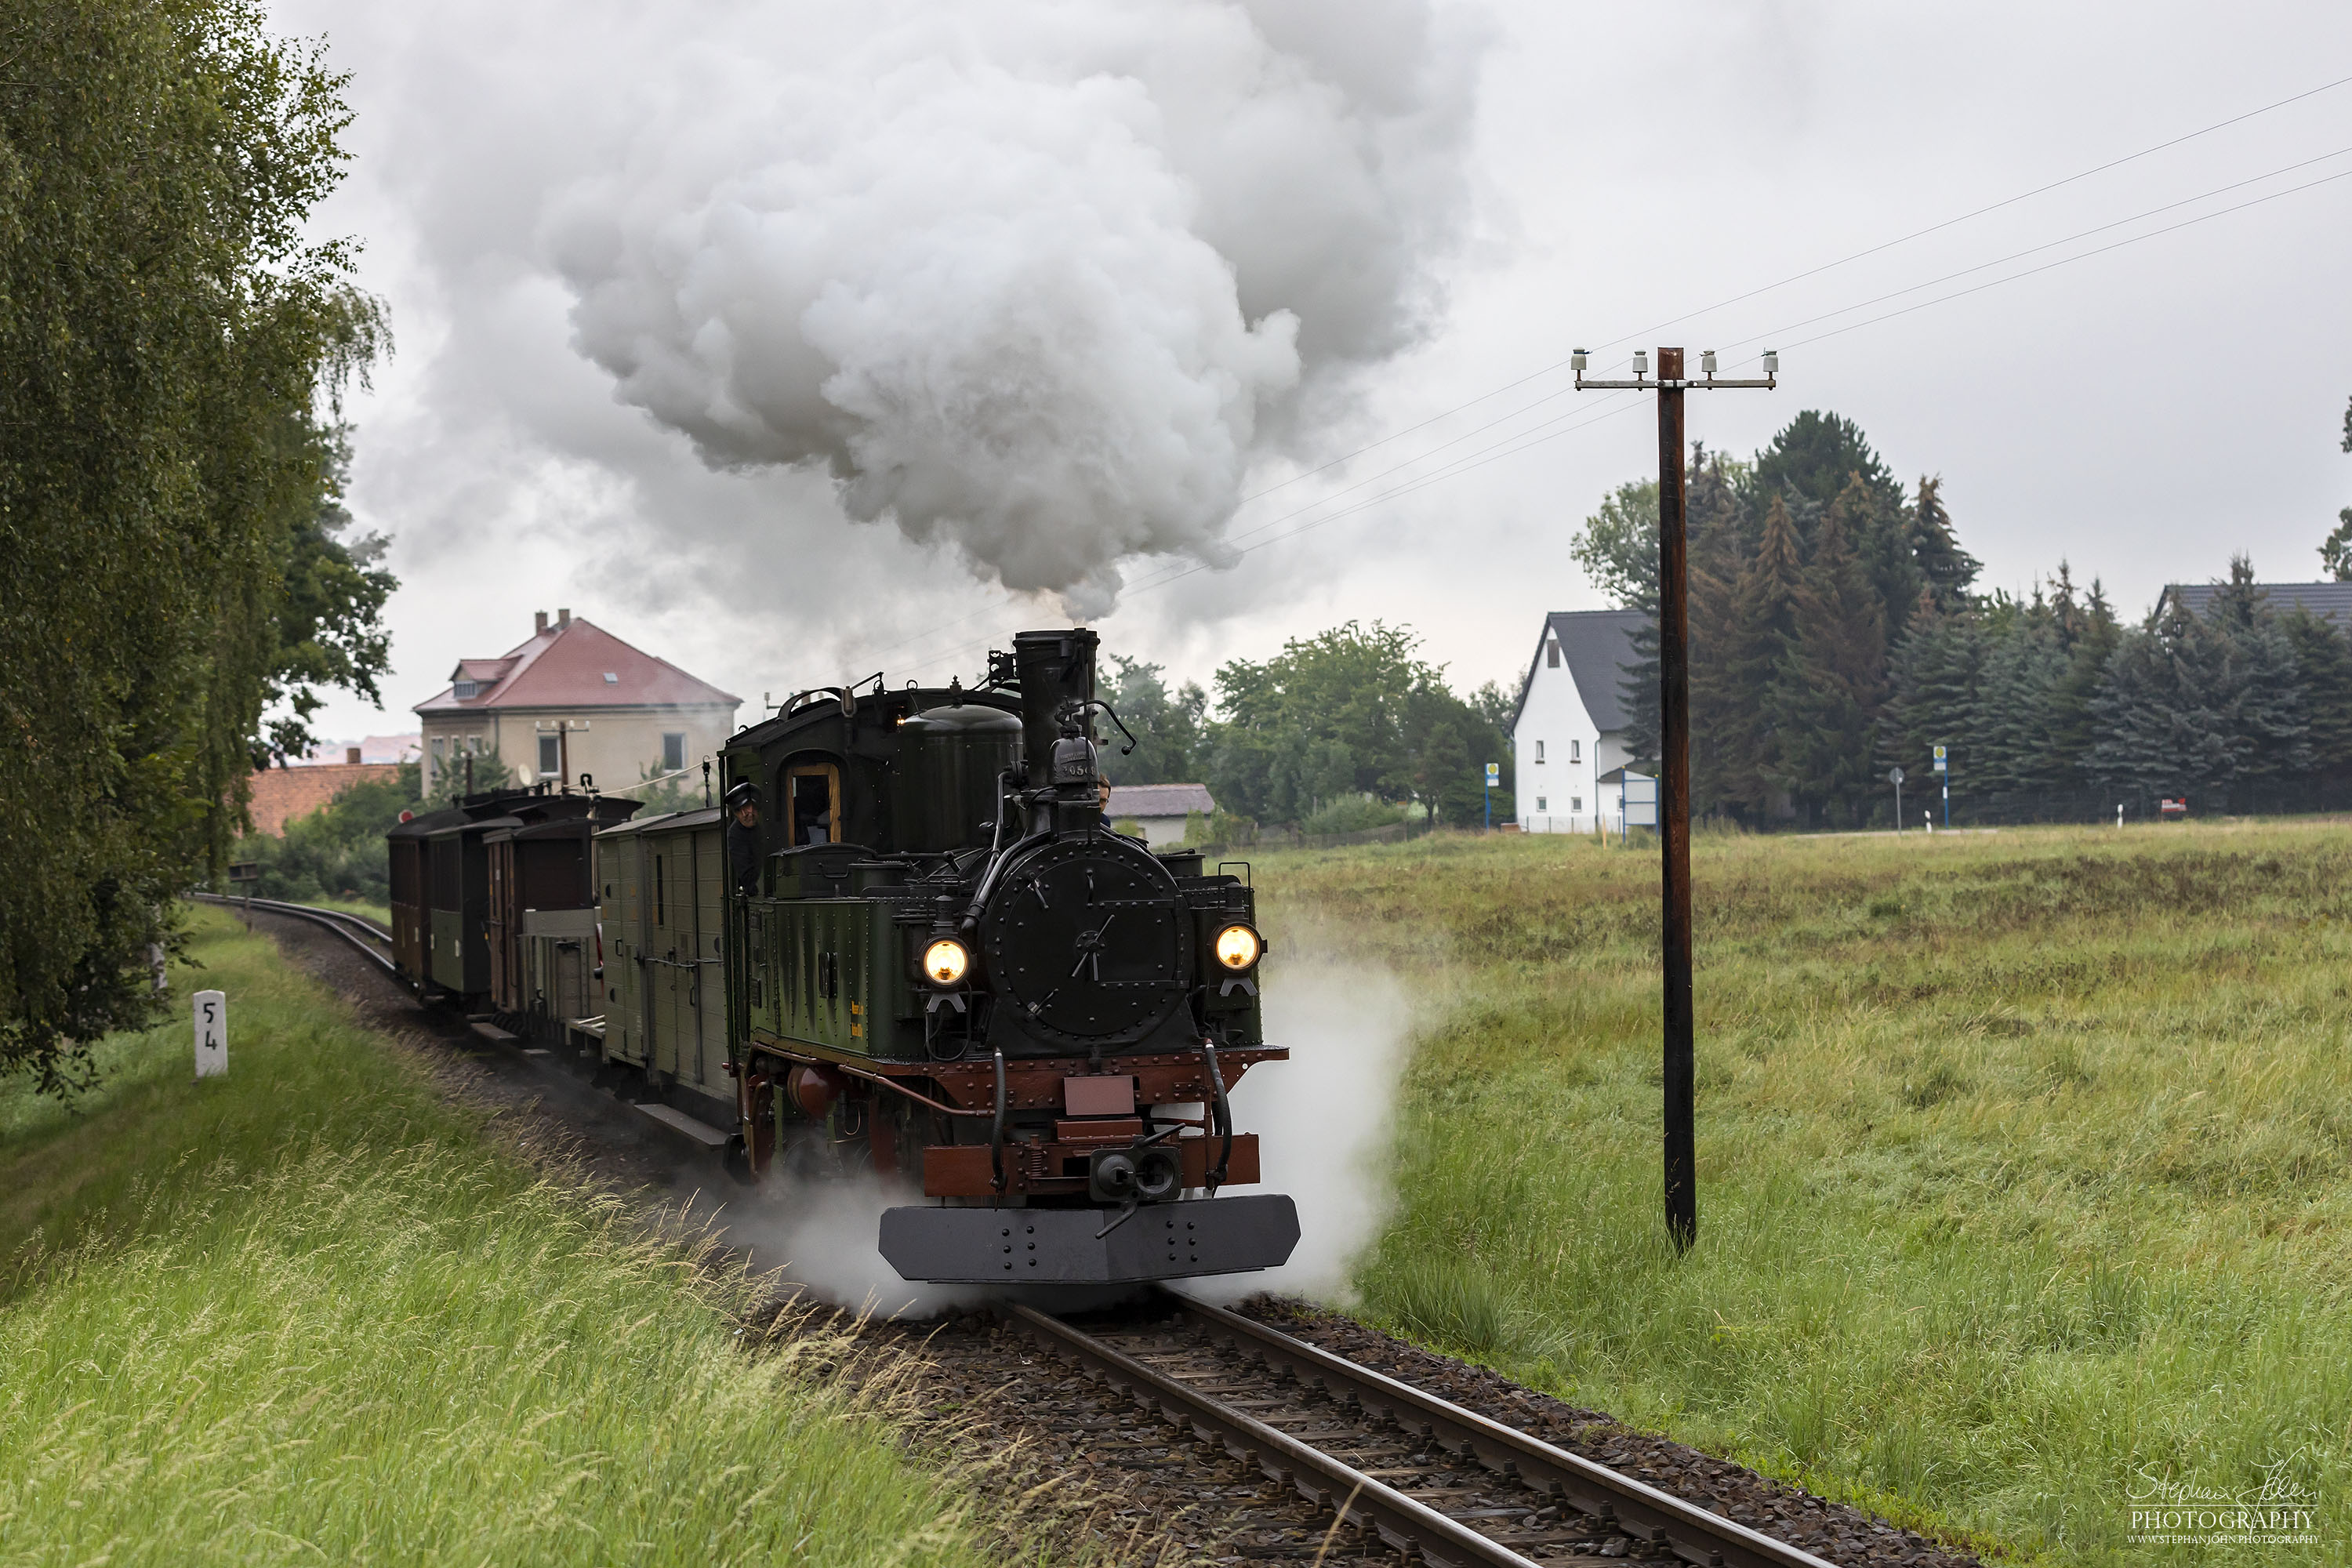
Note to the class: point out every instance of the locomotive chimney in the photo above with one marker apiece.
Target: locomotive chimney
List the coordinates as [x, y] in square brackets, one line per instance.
[1057, 668]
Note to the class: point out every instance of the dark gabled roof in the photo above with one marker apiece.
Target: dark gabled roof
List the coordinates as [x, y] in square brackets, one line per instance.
[2328, 601]
[1596, 647]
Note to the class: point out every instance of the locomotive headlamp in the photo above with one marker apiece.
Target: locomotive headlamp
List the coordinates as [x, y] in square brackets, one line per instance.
[1237, 947]
[945, 961]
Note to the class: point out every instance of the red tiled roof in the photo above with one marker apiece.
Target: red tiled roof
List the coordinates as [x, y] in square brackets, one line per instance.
[566, 667]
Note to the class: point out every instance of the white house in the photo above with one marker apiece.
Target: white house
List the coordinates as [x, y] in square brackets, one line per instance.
[1571, 727]
[1160, 809]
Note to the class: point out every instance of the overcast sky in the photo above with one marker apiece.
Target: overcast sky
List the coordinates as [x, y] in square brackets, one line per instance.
[1588, 175]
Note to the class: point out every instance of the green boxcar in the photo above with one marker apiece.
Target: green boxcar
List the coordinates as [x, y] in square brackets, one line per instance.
[662, 887]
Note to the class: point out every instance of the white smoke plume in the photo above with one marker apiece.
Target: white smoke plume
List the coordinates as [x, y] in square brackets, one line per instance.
[825, 1237]
[1323, 1121]
[1030, 279]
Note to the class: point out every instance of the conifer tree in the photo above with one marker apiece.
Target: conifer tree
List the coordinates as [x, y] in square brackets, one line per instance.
[1932, 676]
[2165, 712]
[2087, 633]
[2269, 711]
[2322, 660]
[1835, 681]
[1763, 627]
[1949, 569]
[2024, 664]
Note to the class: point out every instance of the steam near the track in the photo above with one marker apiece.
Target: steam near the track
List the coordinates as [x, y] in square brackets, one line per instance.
[1322, 1118]
[1029, 277]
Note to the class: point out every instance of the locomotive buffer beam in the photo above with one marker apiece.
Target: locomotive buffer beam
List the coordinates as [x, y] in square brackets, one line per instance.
[1060, 1247]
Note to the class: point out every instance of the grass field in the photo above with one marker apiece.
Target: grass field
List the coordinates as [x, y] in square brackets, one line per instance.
[2025, 1159]
[308, 1312]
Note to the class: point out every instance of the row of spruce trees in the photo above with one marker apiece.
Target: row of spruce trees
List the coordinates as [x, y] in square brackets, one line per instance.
[1836, 632]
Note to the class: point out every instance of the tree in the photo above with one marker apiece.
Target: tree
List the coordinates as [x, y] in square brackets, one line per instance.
[1166, 726]
[1933, 675]
[2087, 633]
[1835, 680]
[2167, 710]
[1810, 463]
[1323, 718]
[174, 344]
[1617, 546]
[1763, 628]
[2269, 712]
[2323, 659]
[1949, 569]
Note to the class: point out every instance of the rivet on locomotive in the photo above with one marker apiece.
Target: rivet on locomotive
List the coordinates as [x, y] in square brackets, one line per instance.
[907, 943]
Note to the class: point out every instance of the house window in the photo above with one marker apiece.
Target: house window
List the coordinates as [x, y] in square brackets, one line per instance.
[465, 690]
[1576, 803]
[1551, 653]
[612, 677]
[1542, 805]
[440, 747]
[474, 744]
[550, 756]
[1540, 751]
[673, 753]
[1576, 750]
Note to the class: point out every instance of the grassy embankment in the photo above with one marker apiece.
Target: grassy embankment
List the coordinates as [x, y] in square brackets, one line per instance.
[2025, 1160]
[307, 1311]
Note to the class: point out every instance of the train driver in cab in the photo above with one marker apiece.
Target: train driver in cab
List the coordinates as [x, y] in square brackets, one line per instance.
[743, 837]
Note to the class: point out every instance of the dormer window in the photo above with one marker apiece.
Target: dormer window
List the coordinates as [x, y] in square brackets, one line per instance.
[467, 690]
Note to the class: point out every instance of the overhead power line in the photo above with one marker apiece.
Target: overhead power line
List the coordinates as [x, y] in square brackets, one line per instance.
[1810, 272]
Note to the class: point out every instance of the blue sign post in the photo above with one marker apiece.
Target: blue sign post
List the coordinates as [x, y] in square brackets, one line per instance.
[1494, 777]
[1944, 777]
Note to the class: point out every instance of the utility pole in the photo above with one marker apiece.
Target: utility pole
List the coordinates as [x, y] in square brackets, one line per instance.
[1674, 746]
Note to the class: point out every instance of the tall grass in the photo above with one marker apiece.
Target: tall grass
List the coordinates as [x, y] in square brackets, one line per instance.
[2025, 1161]
[305, 1312]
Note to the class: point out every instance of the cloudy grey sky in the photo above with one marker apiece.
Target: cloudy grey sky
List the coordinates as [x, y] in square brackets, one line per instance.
[1443, 198]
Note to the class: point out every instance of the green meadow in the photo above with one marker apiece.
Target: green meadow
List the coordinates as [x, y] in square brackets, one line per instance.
[2025, 1159]
[309, 1311]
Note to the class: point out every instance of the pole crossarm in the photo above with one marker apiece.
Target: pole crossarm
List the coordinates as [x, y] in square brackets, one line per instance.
[1679, 1077]
[1708, 383]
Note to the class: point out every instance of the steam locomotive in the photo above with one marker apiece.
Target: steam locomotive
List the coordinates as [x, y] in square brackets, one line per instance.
[906, 942]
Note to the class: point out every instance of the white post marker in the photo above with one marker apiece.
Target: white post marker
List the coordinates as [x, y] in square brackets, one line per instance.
[212, 1033]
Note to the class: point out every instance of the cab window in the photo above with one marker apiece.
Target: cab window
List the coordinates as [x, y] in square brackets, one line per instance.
[812, 803]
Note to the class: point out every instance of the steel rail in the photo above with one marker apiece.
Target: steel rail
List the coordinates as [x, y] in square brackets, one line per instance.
[1402, 1521]
[357, 930]
[1692, 1533]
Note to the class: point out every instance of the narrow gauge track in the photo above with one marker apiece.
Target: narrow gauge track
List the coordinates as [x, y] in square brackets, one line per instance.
[370, 938]
[1427, 1476]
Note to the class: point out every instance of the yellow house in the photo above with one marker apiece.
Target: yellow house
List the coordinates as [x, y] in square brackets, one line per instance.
[573, 700]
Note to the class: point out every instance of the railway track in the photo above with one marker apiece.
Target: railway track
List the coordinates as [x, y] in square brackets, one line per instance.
[371, 939]
[1428, 1478]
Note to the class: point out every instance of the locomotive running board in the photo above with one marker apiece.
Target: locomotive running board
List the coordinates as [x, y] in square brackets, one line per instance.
[1059, 1247]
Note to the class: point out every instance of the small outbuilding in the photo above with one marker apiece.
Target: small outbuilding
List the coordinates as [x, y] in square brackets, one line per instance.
[1161, 809]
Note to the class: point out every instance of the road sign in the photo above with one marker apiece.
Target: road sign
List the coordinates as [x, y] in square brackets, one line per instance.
[1941, 766]
[1894, 775]
[212, 1033]
[1494, 774]
[1640, 801]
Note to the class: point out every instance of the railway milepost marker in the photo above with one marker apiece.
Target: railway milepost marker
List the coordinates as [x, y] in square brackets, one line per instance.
[212, 1033]
[1674, 744]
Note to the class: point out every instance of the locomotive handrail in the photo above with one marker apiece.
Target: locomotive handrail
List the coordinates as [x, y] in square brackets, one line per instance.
[841, 694]
[988, 878]
[870, 1078]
